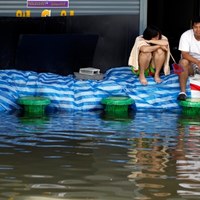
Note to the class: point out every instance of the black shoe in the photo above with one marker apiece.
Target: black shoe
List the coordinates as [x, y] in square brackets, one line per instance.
[182, 96]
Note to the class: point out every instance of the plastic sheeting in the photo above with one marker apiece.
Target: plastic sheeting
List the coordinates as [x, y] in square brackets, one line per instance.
[195, 86]
[68, 93]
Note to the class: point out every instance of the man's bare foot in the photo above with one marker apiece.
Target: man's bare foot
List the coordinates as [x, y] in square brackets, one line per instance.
[143, 81]
[157, 79]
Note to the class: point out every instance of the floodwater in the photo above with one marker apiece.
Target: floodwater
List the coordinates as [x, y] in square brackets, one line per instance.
[95, 156]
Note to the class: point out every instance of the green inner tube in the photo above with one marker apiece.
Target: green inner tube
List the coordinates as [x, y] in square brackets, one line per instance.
[190, 103]
[190, 106]
[31, 100]
[34, 105]
[117, 100]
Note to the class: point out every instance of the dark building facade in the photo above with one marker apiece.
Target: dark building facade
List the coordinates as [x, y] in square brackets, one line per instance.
[88, 33]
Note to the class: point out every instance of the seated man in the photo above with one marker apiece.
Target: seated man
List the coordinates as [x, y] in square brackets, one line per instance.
[150, 54]
[189, 45]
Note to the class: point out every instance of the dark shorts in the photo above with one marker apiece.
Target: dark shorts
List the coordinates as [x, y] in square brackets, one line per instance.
[196, 69]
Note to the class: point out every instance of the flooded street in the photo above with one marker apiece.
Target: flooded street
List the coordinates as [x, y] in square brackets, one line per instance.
[91, 155]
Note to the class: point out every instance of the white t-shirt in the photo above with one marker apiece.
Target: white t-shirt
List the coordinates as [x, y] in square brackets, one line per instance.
[188, 43]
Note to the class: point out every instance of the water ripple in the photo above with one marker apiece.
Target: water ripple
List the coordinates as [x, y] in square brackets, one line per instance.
[88, 155]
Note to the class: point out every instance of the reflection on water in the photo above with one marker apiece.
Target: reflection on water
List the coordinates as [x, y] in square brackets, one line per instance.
[92, 155]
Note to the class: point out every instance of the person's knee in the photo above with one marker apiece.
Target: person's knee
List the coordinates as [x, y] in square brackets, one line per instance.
[159, 52]
[146, 55]
[184, 63]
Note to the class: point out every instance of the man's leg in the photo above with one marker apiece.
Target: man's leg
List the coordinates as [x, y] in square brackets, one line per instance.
[183, 77]
[158, 61]
[144, 60]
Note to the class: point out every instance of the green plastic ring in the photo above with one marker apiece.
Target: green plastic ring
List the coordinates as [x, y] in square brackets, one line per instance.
[34, 105]
[33, 100]
[190, 103]
[117, 100]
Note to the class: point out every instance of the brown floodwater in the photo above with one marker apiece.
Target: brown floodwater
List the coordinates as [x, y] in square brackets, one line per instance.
[100, 156]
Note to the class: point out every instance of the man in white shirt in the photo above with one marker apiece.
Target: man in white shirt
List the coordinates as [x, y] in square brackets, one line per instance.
[189, 45]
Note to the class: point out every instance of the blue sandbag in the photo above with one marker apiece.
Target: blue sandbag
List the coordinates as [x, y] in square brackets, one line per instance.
[68, 93]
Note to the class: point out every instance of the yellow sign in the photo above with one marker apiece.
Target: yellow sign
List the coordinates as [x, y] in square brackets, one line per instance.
[20, 13]
[46, 13]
